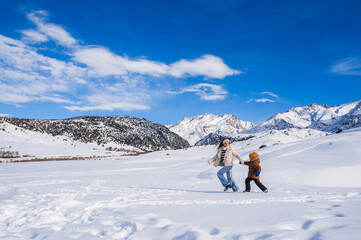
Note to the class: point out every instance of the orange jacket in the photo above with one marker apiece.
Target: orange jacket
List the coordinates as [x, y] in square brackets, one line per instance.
[253, 167]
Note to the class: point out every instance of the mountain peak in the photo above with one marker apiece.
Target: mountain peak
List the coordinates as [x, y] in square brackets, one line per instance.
[315, 116]
[196, 128]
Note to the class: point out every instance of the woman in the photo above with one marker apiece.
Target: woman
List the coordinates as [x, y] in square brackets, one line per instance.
[224, 157]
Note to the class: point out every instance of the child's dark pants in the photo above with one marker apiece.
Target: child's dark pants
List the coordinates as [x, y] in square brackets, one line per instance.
[256, 181]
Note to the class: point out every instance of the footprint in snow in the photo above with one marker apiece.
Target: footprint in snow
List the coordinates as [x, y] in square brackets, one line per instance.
[214, 231]
[307, 224]
[265, 236]
[317, 236]
[187, 235]
[124, 230]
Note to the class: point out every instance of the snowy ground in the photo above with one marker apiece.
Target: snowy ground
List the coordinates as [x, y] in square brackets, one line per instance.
[315, 193]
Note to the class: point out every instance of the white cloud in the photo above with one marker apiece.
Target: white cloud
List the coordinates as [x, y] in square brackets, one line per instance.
[263, 100]
[348, 66]
[55, 99]
[95, 78]
[53, 31]
[110, 107]
[28, 76]
[10, 98]
[270, 94]
[104, 62]
[25, 74]
[207, 92]
[273, 98]
[134, 91]
[34, 36]
[207, 65]
[5, 115]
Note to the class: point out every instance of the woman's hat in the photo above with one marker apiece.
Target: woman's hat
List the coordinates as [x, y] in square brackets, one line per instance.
[225, 140]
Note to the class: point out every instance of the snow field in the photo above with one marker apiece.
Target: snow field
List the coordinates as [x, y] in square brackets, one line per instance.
[314, 194]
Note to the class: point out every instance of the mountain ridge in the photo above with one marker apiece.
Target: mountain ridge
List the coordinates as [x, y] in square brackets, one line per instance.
[196, 128]
[124, 130]
[313, 120]
[323, 119]
[315, 116]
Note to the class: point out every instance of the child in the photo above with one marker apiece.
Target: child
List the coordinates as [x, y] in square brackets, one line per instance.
[254, 170]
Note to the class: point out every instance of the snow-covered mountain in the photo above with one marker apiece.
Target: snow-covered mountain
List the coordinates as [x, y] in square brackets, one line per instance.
[315, 116]
[128, 131]
[196, 128]
[298, 123]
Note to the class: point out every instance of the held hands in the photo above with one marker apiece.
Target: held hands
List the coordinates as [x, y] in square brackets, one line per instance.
[241, 162]
[257, 174]
[208, 164]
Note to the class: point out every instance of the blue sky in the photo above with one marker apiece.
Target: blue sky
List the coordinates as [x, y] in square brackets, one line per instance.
[165, 60]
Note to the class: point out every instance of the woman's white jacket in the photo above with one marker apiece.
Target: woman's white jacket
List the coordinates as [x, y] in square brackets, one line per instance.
[228, 158]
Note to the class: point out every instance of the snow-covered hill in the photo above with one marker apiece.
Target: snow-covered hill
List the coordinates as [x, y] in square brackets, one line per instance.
[196, 128]
[116, 130]
[314, 193]
[315, 116]
[30, 145]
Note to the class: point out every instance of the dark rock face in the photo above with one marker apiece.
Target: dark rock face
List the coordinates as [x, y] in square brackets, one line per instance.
[136, 132]
[213, 139]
